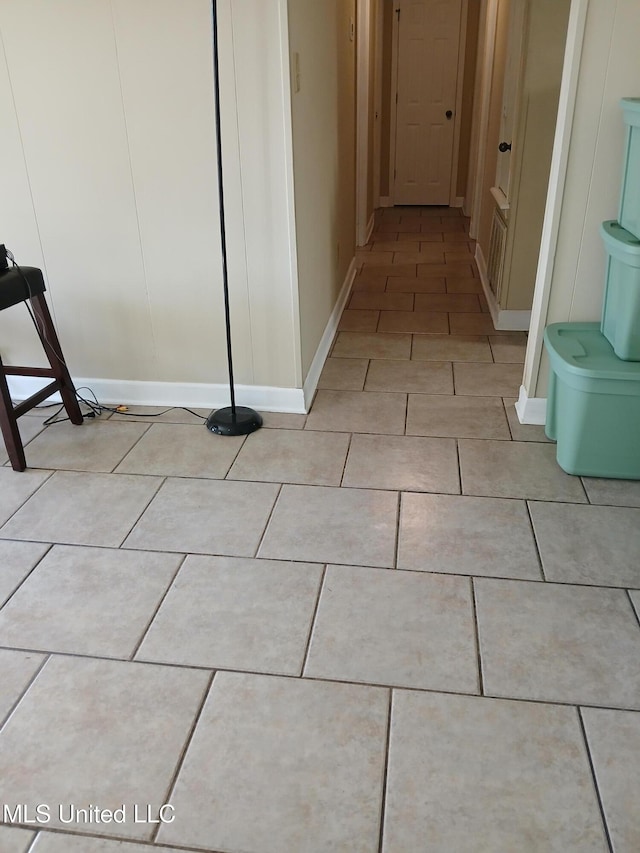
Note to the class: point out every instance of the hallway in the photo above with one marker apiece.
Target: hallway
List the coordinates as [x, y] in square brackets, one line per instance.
[391, 625]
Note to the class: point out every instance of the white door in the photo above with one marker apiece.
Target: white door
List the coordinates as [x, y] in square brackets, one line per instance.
[427, 54]
[510, 96]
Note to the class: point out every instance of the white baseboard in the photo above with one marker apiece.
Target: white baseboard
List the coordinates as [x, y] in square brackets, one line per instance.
[458, 201]
[503, 319]
[370, 226]
[386, 201]
[531, 410]
[313, 376]
[193, 395]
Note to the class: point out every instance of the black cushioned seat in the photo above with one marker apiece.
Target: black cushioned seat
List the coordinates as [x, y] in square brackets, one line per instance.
[21, 285]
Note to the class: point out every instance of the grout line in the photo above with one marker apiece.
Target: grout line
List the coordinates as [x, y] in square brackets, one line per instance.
[504, 406]
[268, 521]
[155, 612]
[27, 688]
[172, 784]
[27, 576]
[636, 613]
[238, 452]
[594, 779]
[142, 843]
[457, 441]
[396, 546]
[133, 446]
[385, 773]
[156, 491]
[51, 474]
[346, 459]
[476, 626]
[314, 617]
[535, 540]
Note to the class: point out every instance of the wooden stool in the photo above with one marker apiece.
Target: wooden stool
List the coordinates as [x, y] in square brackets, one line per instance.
[22, 285]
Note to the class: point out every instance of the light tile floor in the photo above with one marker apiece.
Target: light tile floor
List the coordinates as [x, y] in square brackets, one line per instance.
[394, 625]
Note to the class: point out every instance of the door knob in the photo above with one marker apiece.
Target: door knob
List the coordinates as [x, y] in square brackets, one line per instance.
[449, 114]
[504, 146]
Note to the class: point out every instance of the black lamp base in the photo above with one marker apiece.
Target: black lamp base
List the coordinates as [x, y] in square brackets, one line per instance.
[227, 422]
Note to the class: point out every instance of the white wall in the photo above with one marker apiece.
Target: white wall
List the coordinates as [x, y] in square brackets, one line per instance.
[108, 182]
[609, 70]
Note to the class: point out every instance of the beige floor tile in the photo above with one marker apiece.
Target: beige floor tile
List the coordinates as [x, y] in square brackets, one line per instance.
[369, 283]
[468, 774]
[396, 245]
[467, 536]
[445, 226]
[411, 226]
[322, 525]
[455, 237]
[402, 463]
[281, 765]
[358, 411]
[343, 374]
[410, 376]
[390, 269]
[462, 254]
[413, 321]
[447, 302]
[17, 669]
[506, 469]
[471, 324]
[181, 450]
[374, 258]
[162, 415]
[115, 743]
[415, 285]
[95, 446]
[15, 840]
[228, 613]
[488, 380]
[29, 428]
[65, 843]
[455, 269]
[16, 561]
[87, 601]
[205, 517]
[508, 348]
[613, 492]
[451, 348]
[430, 254]
[83, 509]
[522, 432]
[464, 285]
[588, 544]
[282, 420]
[456, 417]
[371, 345]
[17, 486]
[614, 744]
[558, 643]
[355, 320]
[382, 301]
[288, 456]
[395, 628]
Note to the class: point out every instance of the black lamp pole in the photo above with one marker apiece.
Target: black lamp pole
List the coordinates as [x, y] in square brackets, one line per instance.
[232, 420]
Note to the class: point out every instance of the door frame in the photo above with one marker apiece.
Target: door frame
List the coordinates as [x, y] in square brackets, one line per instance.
[364, 225]
[454, 200]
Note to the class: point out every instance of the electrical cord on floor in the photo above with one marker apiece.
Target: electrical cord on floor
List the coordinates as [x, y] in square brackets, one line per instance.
[95, 407]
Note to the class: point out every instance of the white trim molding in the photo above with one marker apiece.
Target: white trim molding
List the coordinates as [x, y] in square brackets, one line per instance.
[531, 410]
[363, 53]
[194, 395]
[370, 227]
[313, 376]
[504, 319]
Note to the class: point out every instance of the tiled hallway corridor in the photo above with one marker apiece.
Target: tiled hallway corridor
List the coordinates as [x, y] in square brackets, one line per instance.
[392, 625]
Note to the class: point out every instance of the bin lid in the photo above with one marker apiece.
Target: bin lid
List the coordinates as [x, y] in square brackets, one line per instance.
[586, 352]
[631, 110]
[620, 243]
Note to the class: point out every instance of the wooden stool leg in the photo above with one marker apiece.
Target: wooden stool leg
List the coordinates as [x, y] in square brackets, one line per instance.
[9, 426]
[56, 359]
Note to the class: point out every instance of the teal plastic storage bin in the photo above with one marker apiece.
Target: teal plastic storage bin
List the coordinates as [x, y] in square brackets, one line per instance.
[630, 201]
[593, 404]
[621, 311]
